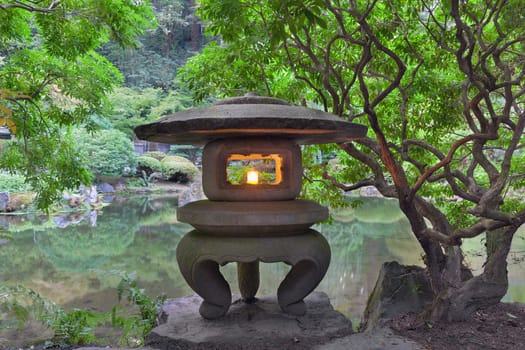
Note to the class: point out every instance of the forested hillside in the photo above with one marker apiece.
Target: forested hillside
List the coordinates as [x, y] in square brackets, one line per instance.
[150, 89]
[162, 49]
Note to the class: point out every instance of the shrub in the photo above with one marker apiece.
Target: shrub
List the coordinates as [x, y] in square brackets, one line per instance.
[108, 152]
[179, 171]
[158, 155]
[148, 164]
[168, 159]
[13, 183]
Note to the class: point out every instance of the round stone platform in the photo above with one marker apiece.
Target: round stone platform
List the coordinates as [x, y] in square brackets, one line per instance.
[249, 219]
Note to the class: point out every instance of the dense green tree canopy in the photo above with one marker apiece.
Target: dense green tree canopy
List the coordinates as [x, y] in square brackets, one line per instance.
[441, 87]
[51, 78]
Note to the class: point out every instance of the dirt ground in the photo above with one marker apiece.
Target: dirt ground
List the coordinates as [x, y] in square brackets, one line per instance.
[500, 327]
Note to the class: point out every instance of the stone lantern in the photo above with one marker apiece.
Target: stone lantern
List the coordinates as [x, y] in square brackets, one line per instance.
[251, 175]
[5, 133]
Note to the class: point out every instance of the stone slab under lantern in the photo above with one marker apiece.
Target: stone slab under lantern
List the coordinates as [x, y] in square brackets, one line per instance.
[255, 326]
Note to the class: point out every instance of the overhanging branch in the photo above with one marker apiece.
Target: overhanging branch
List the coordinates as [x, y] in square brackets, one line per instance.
[30, 7]
[447, 160]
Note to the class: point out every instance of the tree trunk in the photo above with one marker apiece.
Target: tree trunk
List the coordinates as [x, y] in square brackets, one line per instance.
[458, 301]
[195, 35]
[195, 29]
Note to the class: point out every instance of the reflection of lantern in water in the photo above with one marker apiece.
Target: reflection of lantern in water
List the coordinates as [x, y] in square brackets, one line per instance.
[249, 141]
[252, 177]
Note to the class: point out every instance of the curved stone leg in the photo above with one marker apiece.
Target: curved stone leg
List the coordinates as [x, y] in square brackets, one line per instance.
[213, 288]
[303, 277]
[199, 256]
[206, 280]
[203, 276]
[298, 283]
[248, 278]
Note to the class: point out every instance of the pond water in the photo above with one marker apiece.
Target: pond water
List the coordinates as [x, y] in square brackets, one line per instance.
[76, 260]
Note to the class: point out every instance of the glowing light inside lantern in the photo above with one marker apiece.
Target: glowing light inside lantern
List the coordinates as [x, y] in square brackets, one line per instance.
[252, 177]
[254, 169]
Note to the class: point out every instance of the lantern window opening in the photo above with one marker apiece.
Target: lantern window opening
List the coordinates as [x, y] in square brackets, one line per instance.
[254, 169]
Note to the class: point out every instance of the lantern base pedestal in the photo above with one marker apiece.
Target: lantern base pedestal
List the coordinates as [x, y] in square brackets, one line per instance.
[199, 256]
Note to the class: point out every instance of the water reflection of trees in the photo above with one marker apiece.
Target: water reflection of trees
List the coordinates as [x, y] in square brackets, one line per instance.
[134, 235]
[369, 210]
[141, 234]
[83, 247]
[348, 237]
[359, 247]
[351, 242]
[19, 258]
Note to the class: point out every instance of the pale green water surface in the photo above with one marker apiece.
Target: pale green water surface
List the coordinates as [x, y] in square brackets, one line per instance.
[78, 264]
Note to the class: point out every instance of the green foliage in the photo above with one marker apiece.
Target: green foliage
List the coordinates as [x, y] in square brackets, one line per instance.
[48, 164]
[149, 163]
[163, 49]
[314, 186]
[421, 117]
[156, 155]
[91, 22]
[110, 152]
[138, 326]
[178, 169]
[132, 106]
[52, 79]
[192, 153]
[77, 326]
[13, 183]
[236, 173]
[216, 72]
[19, 304]
[174, 159]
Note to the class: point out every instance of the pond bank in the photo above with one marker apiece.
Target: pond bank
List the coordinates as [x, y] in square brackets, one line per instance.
[499, 327]
[262, 325]
[14, 203]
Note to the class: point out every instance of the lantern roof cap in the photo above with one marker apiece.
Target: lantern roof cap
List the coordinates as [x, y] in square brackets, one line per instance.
[250, 116]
